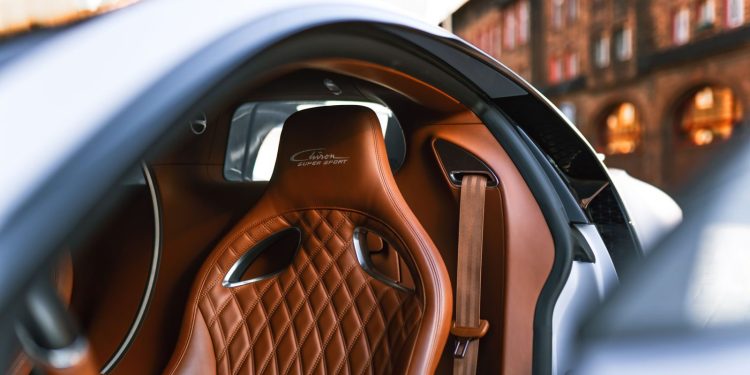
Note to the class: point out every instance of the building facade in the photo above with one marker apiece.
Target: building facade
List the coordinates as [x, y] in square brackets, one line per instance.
[657, 86]
[502, 29]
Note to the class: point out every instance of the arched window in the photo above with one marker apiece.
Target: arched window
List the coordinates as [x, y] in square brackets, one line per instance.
[621, 129]
[709, 115]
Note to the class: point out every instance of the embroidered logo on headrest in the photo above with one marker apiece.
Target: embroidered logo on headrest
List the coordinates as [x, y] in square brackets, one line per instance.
[317, 156]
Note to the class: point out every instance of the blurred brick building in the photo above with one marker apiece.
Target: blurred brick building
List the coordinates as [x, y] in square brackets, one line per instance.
[659, 86]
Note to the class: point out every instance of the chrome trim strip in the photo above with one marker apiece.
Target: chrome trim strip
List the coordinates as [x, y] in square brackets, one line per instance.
[245, 260]
[363, 257]
[150, 284]
[228, 284]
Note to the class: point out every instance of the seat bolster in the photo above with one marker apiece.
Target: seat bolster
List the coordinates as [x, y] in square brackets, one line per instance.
[436, 286]
[197, 356]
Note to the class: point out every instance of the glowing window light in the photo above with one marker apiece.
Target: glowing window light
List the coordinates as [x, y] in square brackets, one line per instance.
[709, 115]
[622, 133]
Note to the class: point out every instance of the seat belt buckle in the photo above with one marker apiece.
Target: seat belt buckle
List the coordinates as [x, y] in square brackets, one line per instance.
[464, 336]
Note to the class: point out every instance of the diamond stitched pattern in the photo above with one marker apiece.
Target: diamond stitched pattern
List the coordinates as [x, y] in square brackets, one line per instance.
[321, 315]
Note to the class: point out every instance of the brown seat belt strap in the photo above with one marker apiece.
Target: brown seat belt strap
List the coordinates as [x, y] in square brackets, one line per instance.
[468, 328]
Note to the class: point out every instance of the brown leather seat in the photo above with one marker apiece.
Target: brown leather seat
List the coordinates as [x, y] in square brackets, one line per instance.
[324, 312]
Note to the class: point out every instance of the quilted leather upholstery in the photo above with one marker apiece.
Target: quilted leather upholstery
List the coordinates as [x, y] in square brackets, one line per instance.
[353, 323]
[324, 313]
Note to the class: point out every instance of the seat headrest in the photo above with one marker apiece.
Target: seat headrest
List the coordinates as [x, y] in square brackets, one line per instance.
[331, 156]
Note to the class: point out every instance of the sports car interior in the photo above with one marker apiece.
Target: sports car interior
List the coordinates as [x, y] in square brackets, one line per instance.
[336, 216]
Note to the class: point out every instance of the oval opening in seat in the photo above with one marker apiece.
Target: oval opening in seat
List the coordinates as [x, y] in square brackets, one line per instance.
[266, 259]
[380, 259]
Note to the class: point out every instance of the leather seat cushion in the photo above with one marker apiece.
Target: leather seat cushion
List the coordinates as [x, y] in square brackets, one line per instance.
[324, 314]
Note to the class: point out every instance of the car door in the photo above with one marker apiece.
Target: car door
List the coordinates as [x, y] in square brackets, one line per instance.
[686, 307]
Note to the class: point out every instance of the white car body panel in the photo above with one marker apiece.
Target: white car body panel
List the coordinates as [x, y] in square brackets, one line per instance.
[587, 286]
[652, 212]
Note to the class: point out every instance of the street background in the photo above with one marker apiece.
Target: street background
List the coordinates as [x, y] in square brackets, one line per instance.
[659, 87]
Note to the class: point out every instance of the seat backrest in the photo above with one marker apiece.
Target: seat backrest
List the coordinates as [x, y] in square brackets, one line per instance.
[327, 311]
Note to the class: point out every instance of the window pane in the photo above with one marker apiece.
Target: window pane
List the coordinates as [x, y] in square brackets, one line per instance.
[601, 52]
[735, 13]
[269, 148]
[555, 69]
[557, 13]
[707, 12]
[681, 26]
[571, 65]
[523, 21]
[510, 30]
[569, 110]
[572, 10]
[623, 44]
